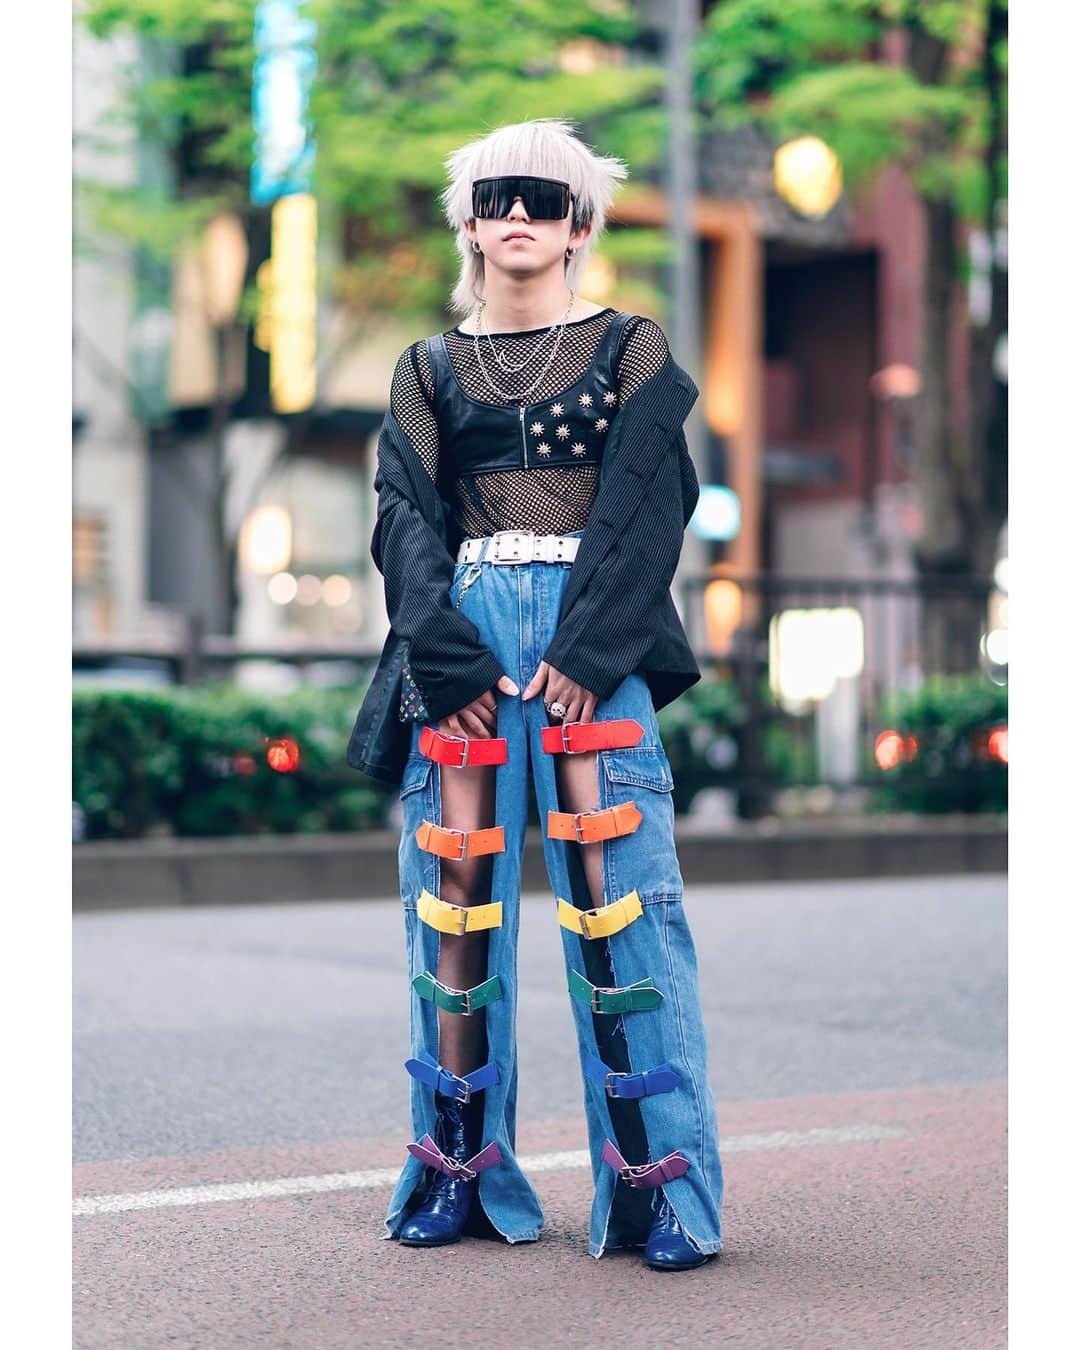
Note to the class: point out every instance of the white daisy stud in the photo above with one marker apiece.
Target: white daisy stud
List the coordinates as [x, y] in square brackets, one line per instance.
[601, 424]
[543, 448]
[577, 448]
[557, 410]
[609, 398]
[585, 400]
[537, 428]
[562, 432]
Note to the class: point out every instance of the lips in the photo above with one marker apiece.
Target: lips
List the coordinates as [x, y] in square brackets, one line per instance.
[516, 234]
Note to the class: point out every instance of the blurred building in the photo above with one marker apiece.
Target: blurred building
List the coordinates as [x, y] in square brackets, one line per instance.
[177, 409]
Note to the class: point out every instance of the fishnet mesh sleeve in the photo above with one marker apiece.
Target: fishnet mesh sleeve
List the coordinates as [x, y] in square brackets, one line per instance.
[643, 351]
[411, 396]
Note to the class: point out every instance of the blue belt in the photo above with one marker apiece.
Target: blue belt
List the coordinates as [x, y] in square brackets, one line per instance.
[428, 1070]
[661, 1079]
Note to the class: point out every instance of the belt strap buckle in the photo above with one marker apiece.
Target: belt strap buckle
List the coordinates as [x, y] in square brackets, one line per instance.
[579, 823]
[564, 736]
[513, 540]
[466, 1085]
[463, 741]
[466, 999]
[449, 829]
[608, 1087]
[594, 1002]
[584, 915]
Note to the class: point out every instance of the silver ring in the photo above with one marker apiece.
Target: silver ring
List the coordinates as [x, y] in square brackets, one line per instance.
[556, 709]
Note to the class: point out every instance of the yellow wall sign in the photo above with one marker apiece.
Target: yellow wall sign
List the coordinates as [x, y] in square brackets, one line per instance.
[287, 312]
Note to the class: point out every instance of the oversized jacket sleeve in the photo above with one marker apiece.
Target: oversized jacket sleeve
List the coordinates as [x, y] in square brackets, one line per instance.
[447, 660]
[610, 627]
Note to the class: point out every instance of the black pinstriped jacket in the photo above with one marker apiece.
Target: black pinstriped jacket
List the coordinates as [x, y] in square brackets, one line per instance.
[617, 615]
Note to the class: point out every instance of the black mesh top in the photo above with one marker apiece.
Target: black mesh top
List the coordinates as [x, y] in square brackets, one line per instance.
[554, 499]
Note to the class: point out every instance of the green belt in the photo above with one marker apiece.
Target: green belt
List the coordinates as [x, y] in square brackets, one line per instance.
[460, 1001]
[640, 997]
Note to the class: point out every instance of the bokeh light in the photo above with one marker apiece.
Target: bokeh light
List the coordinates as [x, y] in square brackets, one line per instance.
[283, 755]
[282, 588]
[308, 590]
[336, 590]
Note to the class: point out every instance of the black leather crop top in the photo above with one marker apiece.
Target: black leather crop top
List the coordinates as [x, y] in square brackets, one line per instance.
[531, 465]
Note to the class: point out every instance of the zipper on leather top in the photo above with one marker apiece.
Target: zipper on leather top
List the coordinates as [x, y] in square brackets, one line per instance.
[521, 424]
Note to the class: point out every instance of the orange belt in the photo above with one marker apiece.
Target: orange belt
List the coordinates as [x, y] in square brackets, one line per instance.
[459, 752]
[574, 738]
[459, 844]
[589, 827]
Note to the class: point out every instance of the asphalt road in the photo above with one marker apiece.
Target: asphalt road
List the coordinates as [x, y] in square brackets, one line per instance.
[857, 1052]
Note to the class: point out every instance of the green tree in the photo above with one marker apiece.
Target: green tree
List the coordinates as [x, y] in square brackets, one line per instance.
[818, 67]
[397, 87]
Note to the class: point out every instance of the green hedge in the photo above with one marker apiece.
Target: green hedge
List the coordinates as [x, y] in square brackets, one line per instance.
[950, 766]
[194, 762]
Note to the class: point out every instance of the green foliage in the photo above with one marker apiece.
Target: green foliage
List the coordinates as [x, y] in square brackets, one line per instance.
[801, 67]
[398, 87]
[949, 717]
[194, 762]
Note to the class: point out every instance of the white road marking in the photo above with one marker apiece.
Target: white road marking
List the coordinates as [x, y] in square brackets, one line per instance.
[375, 1178]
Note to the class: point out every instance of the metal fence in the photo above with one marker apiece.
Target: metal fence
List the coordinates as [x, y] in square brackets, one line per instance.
[823, 664]
[813, 666]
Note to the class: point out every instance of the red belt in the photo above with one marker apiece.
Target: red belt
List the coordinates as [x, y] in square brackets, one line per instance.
[574, 738]
[461, 752]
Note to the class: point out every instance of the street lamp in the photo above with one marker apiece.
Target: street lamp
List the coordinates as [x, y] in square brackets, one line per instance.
[807, 174]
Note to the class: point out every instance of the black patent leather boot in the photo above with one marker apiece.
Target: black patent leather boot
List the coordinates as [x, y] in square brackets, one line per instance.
[442, 1213]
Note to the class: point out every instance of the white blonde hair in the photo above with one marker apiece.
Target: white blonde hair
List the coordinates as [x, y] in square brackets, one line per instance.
[548, 148]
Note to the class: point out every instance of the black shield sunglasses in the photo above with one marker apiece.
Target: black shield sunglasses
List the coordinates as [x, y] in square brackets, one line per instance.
[543, 198]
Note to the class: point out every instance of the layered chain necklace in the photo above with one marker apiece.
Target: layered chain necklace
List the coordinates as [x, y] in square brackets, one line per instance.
[509, 367]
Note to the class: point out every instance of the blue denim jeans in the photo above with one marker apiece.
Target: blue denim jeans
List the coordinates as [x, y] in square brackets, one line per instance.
[515, 609]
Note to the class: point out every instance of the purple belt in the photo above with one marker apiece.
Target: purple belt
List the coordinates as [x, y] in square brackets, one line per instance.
[647, 1174]
[429, 1152]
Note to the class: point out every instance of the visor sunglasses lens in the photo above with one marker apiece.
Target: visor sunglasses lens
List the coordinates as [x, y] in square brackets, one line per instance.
[543, 198]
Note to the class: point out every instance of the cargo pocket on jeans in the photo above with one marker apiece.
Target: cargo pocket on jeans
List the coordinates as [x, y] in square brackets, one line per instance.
[417, 794]
[645, 861]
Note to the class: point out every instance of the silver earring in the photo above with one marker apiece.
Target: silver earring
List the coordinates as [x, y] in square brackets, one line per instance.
[570, 253]
[476, 246]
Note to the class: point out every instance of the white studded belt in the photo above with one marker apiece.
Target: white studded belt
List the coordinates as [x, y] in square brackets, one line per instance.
[517, 546]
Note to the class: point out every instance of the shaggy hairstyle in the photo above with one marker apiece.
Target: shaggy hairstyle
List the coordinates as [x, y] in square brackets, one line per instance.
[547, 148]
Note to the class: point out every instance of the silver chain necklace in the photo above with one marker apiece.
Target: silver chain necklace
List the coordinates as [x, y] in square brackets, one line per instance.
[557, 328]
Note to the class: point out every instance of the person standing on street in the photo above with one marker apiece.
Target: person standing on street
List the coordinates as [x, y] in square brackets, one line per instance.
[533, 490]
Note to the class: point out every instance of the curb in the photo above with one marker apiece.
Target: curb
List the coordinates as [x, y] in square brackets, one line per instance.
[153, 873]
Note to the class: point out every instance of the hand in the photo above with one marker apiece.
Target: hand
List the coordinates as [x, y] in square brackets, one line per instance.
[478, 720]
[575, 698]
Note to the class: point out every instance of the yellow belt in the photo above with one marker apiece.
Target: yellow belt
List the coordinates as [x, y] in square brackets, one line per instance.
[599, 923]
[457, 919]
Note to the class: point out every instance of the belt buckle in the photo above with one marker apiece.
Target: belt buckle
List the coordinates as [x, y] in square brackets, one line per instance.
[564, 727]
[466, 995]
[508, 535]
[465, 1085]
[607, 1081]
[583, 918]
[593, 811]
[448, 829]
[463, 741]
[594, 997]
[463, 923]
